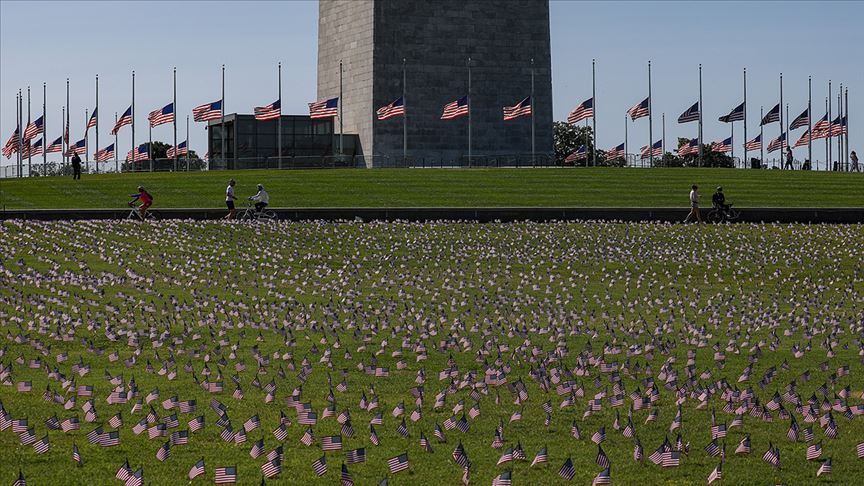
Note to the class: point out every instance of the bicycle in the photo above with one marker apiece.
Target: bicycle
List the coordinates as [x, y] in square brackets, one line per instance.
[720, 215]
[250, 213]
[136, 214]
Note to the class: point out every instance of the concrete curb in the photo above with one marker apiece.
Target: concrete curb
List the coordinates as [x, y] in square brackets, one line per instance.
[748, 215]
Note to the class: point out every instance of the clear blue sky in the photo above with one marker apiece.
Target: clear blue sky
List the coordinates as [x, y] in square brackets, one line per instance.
[49, 41]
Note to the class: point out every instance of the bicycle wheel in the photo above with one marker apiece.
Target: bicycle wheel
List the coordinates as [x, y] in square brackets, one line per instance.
[267, 215]
[714, 216]
[732, 214]
[153, 215]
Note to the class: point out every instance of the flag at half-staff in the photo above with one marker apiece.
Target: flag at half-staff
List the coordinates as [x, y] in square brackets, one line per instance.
[324, 109]
[124, 120]
[723, 146]
[801, 121]
[143, 153]
[690, 115]
[11, 145]
[737, 114]
[455, 109]
[34, 128]
[269, 112]
[804, 140]
[394, 109]
[639, 110]
[56, 145]
[838, 127]
[755, 144]
[778, 143]
[78, 147]
[615, 152]
[36, 149]
[581, 112]
[580, 153]
[772, 116]
[105, 154]
[92, 121]
[656, 150]
[691, 147]
[207, 111]
[523, 108]
[161, 116]
[181, 150]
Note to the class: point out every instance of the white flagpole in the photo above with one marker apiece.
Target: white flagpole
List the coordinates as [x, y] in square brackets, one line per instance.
[650, 119]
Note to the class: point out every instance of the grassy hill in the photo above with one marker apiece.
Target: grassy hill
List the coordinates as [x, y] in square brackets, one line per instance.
[600, 187]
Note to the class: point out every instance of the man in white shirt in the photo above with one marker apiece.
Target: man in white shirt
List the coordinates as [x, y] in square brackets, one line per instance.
[229, 199]
[262, 199]
[694, 205]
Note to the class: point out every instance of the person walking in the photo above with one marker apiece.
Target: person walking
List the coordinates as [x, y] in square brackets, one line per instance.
[854, 158]
[229, 200]
[694, 205]
[76, 166]
[789, 159]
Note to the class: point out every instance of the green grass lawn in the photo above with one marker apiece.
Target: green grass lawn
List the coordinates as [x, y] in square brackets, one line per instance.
[601, 187]
[515, 297]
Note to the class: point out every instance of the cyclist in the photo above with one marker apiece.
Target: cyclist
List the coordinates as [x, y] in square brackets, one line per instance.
[262, 199]
[146, 201]
[719, 200]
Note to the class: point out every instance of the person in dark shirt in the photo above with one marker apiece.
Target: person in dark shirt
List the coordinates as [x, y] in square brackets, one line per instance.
[76, 166]
[719, 199]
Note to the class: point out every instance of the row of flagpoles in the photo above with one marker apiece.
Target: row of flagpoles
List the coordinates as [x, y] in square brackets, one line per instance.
[827, 127]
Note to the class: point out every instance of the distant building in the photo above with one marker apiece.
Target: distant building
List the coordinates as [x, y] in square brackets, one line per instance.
[250, 143]
[371, 38]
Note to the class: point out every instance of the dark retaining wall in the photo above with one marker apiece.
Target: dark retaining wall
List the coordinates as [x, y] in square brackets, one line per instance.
[748, 215]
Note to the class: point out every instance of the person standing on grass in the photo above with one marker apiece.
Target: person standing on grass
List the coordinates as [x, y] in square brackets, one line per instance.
[694, 205]
[854, 158]
[789, 159]
[76, 166]
[229, 199]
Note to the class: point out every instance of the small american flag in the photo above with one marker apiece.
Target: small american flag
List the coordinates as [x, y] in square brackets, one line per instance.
[356, 456]
[567, 470]
[603, 477]
[396, 108]
[455, 109]
[320, 466]
[124, 120]
[716, 474]
[269, 112]
[226, 475]
[503, 479]
[639, 110]
[801, 120]
[161, 116]
[136, 479]
[208, 111]
[331, 443]
[523, 108]
[197, 469]
[690, 115]
[324, 109]
[398, 463]
[772, 116]
[825, 468]
[346, 478]
[93, 119]
[581, 112]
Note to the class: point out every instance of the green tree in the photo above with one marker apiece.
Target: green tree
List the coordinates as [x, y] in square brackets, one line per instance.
[568, 138]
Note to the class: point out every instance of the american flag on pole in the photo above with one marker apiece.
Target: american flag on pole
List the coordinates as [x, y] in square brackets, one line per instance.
[657, 150]
[688, 148]
[754, 144]
[56, 146]
[838, 127]
[92, 121]
[126, 119]
[106, 153]
[324, 109]
[78, 147]
[581, 112]
[523, 108]
[11, 145]
[615, 152]
[142, 153]
[737, 114]
[161, 116]
[455, 109]
[35, 127]
[690, 114]
[804, 140]
[396, 108]
[801, 120]
[772, 116]
[820, 129]
[716, 474]
[181, 150]
[778, 143]
[36, 149]
[269, 112]
[578, 154]
[207, 111]
[639, 110]
[724, 146]
[197, 469]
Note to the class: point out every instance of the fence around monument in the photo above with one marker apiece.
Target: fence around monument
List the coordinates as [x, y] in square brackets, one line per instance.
[338, 162]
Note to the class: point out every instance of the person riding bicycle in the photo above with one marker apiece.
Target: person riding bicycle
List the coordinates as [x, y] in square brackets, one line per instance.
[262, 199]
[146, 201]
[719, 200]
